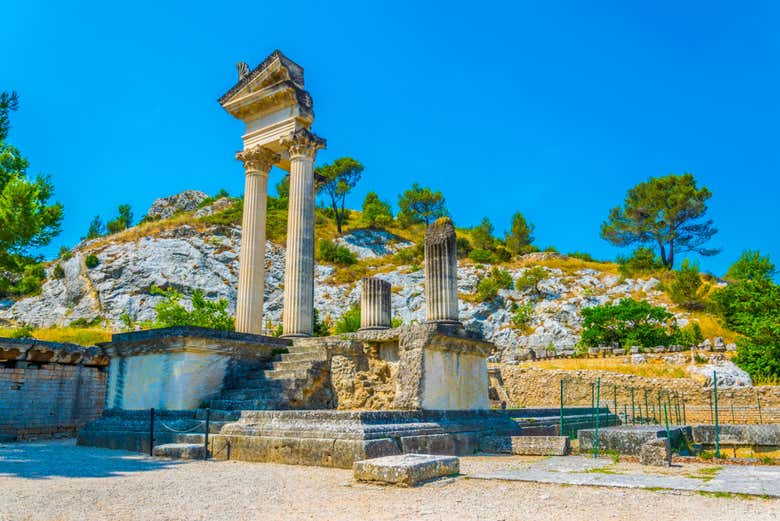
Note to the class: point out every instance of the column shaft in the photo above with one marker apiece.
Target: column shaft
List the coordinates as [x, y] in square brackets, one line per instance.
[375, 304]
[441, 273]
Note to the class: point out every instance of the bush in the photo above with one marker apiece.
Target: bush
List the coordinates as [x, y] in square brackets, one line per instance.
[758, 352]
[522, 316]
[411, 255]
[58, 272]
[530, 280]
[587, 257]
[687, 288]
[463, 246]
[628, 323]
[349, 321]
[642, 261]
[64, 253]
[502, 254]
[329, 251]
[22, 332]
[321, 327]
[205, 313]
[232, 215]
[376, 213]
[31, 281]
[481, 256]
[487, 289]
[83, 322]
[502, 277]
[691, 335]
[91, 261]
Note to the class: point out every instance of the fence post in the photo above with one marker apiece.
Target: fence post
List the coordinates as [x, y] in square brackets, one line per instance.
[685, 419]
[592, 405]
[666, 421]
[633, 411]
[625, 414]
[717, 426]
[560, 426]
[659, 407]
[641, 418]
[758, 401]
[151, 431]
[598, 413]
[206, 438]
[614, 398]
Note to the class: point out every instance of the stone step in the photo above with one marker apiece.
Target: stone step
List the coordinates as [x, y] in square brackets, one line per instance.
[296, 365]
[303, 357]
[179, 451]
[250, 394]
[286, 375]
[247, 405]
[218, 415]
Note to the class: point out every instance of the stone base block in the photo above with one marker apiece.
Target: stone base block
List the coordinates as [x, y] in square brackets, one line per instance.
[179, 451]
[526, 445]
[657, 452]
[628, 439]
[406, 470]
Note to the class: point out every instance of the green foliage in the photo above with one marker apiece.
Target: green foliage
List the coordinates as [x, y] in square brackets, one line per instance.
[22, 332]
[84, 323]
[29, 283]
[64, 253]
[349, 321]
[519, 238]
[501, 254]
[396, 322]
[320, 327]
[687, 289]
[758, 352]
[204, 313]
[481, 256]
[329, 251]
[96, 228]
[522, 316]
[642, 261]
[123, 220]
[128, 323]
[502, 277]
[667, 211]
[58, 272]
[487, 289]
[587, 257]
[691, 335]
[376, 213]
[232, 215]
[338, 180]
[9, 102]
[463, 245]
[421, 205]
[751, 266]
[91, 261]
[551, 249]
[482, 235]
[530, 280]
[628, 323]
[411, 255]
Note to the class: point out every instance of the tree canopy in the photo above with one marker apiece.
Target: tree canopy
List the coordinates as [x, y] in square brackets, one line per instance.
[520, 236]
[628, 323]
[337, 180]
[482, 235]
[421, 205]
[28, 218]
[667, 212]
[376, 212]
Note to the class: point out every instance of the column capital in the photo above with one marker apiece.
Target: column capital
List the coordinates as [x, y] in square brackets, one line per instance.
[257, 160]
[302, 143]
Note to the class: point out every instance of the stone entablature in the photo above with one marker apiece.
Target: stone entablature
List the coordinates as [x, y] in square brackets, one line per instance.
[22, 350]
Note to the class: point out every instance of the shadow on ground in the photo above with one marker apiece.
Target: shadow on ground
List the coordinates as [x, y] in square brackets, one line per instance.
[48, 459]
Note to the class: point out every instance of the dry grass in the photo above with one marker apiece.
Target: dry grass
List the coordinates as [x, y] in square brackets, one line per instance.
[652, 369]
[568, 265]
[87, 336]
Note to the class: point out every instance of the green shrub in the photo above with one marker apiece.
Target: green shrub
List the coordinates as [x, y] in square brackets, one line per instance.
[397, 322]
[232, 215]
[411, 255]
[22, 332]
[205, 313]
[321, 327]
[481, 256]
[522, 316]
[329, 251]
[83, 322]
[642, 261]
[58, 272]
[550, 249]
[691, 335]
[463, 246]
[487, 289]
[31, 281]
[502, 254]
[628, 323]
[687, 289]
[91, 261]
[64, 253]
[587, 257]
[502, 277]
[530, 280]
[376, 213]
[349, 321]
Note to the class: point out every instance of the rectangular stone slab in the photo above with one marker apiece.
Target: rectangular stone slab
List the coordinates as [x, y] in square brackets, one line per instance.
[526, 445]
[406, 470]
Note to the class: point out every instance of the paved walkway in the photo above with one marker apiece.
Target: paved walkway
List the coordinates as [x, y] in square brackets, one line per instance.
[581, 470]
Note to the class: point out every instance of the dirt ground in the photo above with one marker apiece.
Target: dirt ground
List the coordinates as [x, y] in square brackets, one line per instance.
[58, 481]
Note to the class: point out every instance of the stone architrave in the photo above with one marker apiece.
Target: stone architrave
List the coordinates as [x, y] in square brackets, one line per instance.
[298, 313]
[251, 268]
[375, 304]
[441, 273]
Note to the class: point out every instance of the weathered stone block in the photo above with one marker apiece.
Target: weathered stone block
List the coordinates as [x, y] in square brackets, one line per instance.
[179, 451]
[656, 452]
[406, 469]
[540, 445]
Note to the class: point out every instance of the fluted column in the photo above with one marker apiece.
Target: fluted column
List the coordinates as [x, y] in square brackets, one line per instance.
[251, 267]
[441, 273]
[375, 304]
[298, 312]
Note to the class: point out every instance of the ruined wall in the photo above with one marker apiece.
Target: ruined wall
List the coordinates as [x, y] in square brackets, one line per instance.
[534, 387]
[49, 389]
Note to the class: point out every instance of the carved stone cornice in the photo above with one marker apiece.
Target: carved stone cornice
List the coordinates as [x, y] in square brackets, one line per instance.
[303, 143]
[257, 159]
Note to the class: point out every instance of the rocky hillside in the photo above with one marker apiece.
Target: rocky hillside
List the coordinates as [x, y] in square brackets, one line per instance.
[186, 252]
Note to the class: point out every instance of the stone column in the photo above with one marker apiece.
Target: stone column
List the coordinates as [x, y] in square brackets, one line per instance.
[298, 312]
[441, 273]
[375, 304]
[251, 267]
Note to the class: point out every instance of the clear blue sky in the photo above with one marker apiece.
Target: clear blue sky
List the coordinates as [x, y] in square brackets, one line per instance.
[551, 108]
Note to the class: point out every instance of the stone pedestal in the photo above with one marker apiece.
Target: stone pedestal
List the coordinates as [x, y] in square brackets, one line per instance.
[251, 274]
[375, 310]
[441, 273]
[299, 269]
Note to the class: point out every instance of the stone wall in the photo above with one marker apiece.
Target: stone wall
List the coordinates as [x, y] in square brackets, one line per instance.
[49, 389]
[534, 387]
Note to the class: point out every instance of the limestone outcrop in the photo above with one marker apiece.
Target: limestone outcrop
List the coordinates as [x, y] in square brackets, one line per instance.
[167, 207]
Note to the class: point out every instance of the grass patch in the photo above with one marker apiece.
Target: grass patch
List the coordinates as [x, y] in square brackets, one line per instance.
[75, 335]
[602, 470]
[652, 369]
[705, 474]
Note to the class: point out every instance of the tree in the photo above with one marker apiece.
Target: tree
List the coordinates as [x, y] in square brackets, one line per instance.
[628, 323]
[376, 213]
[282, 199]
[482, 235]
[687, 288]
[421, 205]
[519, 237]
[349, 321]
[204, 313]
[338, 180]
[27, 217]
[530, 279]
[667, 212]
[751, 266]
[123, 221]
[642, 260]
[96, 228]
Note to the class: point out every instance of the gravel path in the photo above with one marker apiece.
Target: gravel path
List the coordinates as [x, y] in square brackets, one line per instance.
[58, 481]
